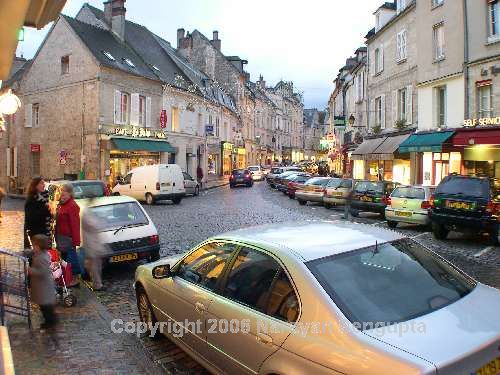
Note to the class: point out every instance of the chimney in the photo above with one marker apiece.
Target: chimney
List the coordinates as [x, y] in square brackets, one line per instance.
[180, 37]
[261, 82]
[185, 44]
[114, 14]
[215, 40]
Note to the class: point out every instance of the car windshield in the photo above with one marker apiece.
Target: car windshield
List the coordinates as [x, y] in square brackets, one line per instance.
[334, 182]
[301, 179]
[318, 181]
[408, 192]
[372, 285]
[369, 186]
[253, 169]
[84, 190]
[114, 216]
[464, 186]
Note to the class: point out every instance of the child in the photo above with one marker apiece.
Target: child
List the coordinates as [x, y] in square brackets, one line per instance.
[41, 281]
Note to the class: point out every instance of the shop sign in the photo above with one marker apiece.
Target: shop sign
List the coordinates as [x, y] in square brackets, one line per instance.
[163, 119]
[209, 129]
[35, 147]
[485, 121]
[227, 146]
[137, 132]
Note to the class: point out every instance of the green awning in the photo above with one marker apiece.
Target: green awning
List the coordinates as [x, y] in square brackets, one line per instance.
[130, 144]
[427, 142]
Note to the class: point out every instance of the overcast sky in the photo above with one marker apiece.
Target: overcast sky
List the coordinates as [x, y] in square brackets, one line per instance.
[301, 41]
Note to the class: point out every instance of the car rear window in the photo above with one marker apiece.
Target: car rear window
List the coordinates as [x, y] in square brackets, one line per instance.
[275, 170]
[464, 186]
[334, 182]
[372, 285]
[253, 169]
[408, 192]
[318, 181]
[84, 190]
[301, 179]
[239, 171]
[369, 186]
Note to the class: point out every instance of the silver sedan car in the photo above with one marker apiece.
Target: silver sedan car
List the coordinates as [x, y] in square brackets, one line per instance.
[321, 298]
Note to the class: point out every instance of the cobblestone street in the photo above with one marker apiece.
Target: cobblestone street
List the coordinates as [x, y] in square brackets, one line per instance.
[215, 211]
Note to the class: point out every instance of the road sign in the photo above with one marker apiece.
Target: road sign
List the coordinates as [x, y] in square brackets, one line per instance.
[209, 129]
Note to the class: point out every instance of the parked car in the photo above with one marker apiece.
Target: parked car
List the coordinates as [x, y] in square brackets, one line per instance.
[409, 204]
[191, 185]
[82, 189]
[466, 204]
[312, 191]
[275, 171]
[371, 296]
[152, 183]
[126, 229]
[257, 172]
[297, 183]
[240, 177]
[337, 191]
[281, 181]
[371, 196]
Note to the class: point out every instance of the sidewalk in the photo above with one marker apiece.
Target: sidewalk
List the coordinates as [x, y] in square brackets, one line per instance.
[215, 182]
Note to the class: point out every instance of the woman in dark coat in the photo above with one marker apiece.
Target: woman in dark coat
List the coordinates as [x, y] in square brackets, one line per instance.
[37, 217]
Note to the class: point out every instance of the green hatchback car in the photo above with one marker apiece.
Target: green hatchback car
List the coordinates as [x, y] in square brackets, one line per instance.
[409, 204]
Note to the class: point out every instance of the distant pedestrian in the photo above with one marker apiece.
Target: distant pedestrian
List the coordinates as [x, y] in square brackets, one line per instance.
[41, 281]
[95, 249]
[2, 196]
[68, 230]
[37, 216]
[199, 175]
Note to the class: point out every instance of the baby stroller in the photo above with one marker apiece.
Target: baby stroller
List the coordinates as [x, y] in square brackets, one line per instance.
[61, 272]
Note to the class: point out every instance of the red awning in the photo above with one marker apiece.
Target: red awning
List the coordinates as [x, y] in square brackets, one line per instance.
[469, 137]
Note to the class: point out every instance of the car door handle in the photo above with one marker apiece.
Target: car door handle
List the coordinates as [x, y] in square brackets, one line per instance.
[200, 307]
[265, 339]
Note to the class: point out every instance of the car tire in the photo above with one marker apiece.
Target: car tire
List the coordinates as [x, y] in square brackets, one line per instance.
[154, 256]
[354, 212]
[231, 186]
[196, 191]
[116, 194]
[301, 202]
[439, 231]
[146, 314]
[327, 205]
[149, 199]
[392, 224]
[494, 235]
[291, 196]
[176, 200]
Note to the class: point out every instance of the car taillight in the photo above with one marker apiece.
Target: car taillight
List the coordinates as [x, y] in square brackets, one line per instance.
[107, 191]
[247, 175]
[425, 205]
[154, 239]
[157, 186]
[386, 201]
[432, 201]
[231, 177]
[493, 208]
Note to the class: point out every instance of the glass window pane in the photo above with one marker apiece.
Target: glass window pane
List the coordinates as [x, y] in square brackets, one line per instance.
[283, 302]
[205, 265]
[250, 278]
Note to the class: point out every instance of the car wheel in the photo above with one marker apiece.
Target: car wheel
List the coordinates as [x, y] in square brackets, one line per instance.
[291, 196]
[392, 224]
[494, 235]
[176, 200]
[231, 186]
[327, 205]
[354, 212]
[154, 256]
[149, 199]
[116, 194]
[196, 191]
[439, 231]
[301, 202]
[146, 314]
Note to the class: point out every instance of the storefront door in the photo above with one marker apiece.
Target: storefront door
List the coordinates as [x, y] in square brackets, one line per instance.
[441, 170]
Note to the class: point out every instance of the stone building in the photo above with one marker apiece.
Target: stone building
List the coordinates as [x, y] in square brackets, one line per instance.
[103, 95]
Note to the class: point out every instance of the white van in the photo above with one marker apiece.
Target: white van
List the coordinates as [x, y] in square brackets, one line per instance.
[152, 183]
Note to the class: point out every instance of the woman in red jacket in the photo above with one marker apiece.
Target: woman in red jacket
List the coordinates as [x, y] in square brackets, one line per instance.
[68, 230]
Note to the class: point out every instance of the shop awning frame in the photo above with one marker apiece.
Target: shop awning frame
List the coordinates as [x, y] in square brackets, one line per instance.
[425, 142]
[134, 144]
[365, 150]
[476, 136]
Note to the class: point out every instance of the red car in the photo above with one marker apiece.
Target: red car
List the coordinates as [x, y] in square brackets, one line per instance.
[295, 183]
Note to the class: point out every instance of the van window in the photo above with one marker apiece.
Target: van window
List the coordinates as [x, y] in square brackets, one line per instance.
[128, 179]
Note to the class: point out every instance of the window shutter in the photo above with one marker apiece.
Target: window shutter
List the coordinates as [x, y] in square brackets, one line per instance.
[395, 106]
[14, 171]
[382, 120]
[134, 109]
[372, 63]
[398, 47]
[409, 104]
[381, 58]
[7, 154]
[373, 113]
[28, 116]
[117, 109]
[404, 45]
[148, 112]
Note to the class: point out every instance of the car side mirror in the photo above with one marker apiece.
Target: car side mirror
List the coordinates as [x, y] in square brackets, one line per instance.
[161, 272]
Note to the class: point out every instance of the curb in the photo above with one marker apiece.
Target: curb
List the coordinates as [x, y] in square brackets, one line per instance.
[225, 183]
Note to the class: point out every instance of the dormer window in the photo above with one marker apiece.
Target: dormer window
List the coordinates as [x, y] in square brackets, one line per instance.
[108, 55]
[129, 63]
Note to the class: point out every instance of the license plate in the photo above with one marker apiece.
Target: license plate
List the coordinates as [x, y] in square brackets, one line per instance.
[491, 368]
[239, 180]
[402, 213]
[364, 198]
[336, 194]
[123, 257]
[459, 205]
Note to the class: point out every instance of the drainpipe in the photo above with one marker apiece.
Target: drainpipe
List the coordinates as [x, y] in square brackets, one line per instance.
[466, 60]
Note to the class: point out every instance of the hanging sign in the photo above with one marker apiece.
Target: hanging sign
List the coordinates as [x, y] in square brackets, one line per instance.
[163, 119]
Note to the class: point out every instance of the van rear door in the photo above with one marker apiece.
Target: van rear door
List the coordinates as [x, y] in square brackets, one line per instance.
[177, 179]
[165, 179]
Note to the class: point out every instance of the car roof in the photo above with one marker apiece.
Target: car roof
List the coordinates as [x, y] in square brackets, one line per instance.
[313, 239]
[62, 182]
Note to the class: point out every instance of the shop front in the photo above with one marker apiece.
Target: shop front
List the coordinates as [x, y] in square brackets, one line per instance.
[377, 158]
[481, 150]
[432, 156]
[240, 157]
[227, 158]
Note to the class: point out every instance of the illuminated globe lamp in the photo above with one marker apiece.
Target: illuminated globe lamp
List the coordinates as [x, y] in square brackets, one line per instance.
[9, 103]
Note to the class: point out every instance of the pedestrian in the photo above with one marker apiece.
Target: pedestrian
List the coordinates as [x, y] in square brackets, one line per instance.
[41, 281]
[2, 196]
[199, 175]
[93, 246]
[37, 216]
[68, 231]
